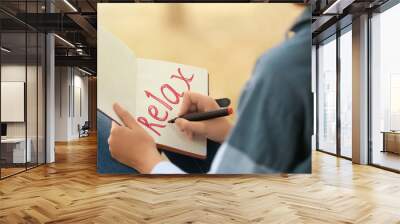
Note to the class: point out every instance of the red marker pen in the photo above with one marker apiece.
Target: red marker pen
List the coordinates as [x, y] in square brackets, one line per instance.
[201, 116]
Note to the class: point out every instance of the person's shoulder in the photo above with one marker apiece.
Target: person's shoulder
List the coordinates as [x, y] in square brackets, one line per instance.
[293, 52]
[289, 62]
[285, 69]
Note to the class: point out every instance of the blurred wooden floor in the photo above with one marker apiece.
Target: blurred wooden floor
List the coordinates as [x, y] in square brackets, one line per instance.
[70, 191]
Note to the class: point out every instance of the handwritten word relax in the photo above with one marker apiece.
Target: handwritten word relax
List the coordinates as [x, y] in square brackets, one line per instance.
[170, 97]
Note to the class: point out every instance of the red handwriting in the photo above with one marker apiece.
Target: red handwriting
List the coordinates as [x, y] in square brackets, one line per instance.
[173, 91]
[181, 77]
[143, 121]
[170, 97]
[153, 111]
[149, 94]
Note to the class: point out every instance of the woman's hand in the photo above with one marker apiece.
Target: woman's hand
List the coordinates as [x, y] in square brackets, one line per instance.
[215, 129]
[131, 145]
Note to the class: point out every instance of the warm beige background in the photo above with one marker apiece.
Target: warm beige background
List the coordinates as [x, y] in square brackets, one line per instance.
[225, 38]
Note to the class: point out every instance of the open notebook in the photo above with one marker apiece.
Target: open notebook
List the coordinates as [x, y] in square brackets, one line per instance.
[151, 90]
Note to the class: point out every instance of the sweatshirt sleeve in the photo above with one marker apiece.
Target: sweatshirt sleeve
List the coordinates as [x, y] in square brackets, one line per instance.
[166, 167]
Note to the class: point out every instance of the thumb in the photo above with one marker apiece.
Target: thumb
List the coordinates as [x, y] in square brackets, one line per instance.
[114, 124]
[126, 118]
[196, 127]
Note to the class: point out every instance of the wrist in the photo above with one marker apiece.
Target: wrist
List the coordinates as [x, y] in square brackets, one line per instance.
[147, 163]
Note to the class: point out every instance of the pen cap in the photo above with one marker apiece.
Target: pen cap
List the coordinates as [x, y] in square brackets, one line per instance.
[230, 110]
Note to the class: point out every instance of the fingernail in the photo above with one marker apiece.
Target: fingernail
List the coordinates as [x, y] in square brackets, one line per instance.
[116, 106]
